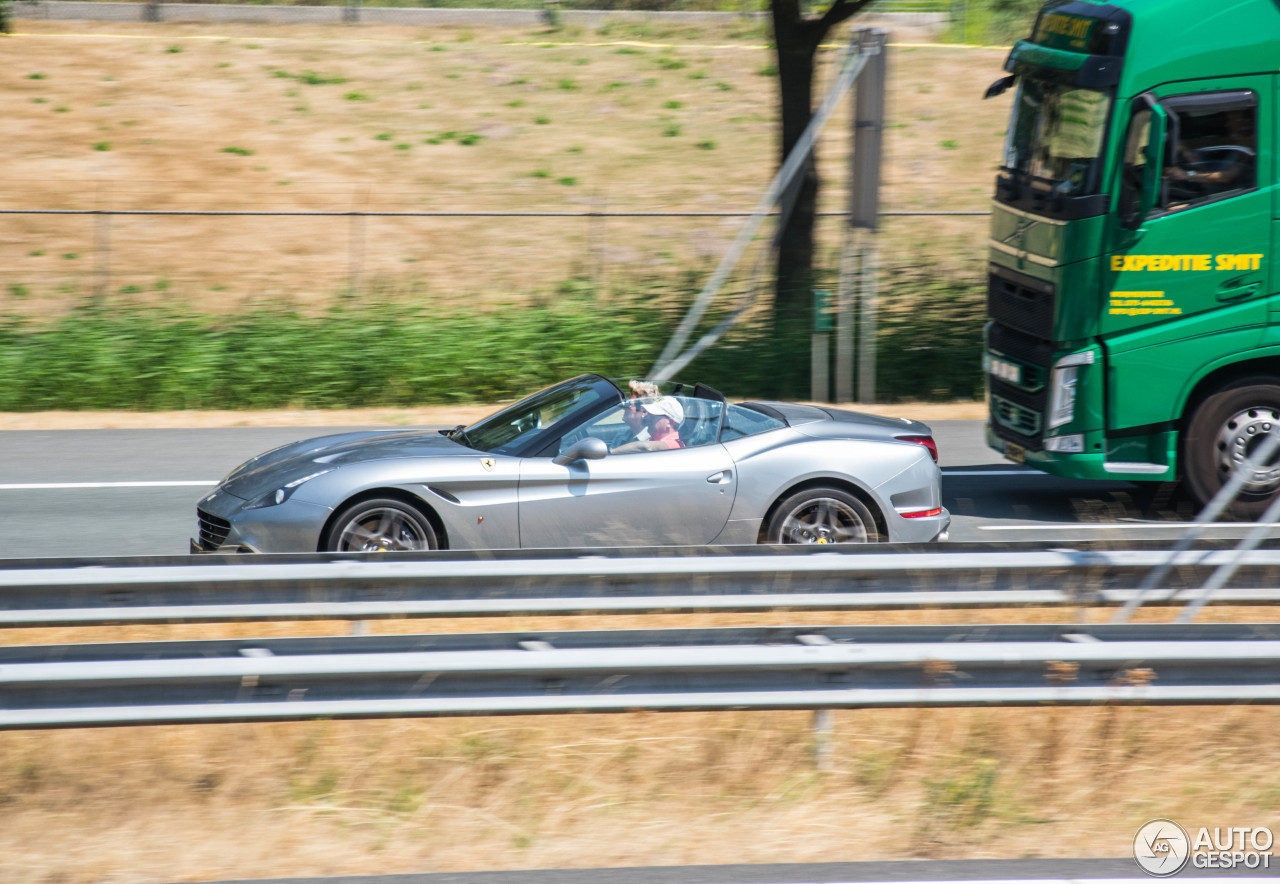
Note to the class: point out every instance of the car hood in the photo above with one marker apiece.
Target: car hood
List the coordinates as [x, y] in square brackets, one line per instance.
[273, 469]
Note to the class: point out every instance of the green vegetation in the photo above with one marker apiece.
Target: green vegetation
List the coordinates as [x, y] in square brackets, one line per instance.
[238, 151]
[390, 351]
[311, 78]
[994, 22]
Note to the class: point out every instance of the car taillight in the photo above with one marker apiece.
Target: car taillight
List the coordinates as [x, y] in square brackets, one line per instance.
[926, 441]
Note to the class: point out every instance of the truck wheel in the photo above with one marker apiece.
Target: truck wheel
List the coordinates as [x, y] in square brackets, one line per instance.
[1225, 430]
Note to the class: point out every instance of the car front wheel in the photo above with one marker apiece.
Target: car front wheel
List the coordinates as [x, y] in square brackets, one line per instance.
[822, 515]
[381, 525]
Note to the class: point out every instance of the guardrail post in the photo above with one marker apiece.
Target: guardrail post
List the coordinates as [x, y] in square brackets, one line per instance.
[351, 13]
[151, 12]
[823, 730]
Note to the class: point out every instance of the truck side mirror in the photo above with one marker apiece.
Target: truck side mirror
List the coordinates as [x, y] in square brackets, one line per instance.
[1153, 181]
[1142, 169]
[999, 87]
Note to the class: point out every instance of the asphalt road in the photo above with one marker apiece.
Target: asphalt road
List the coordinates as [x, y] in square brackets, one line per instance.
[1057, 871]
[133, 492]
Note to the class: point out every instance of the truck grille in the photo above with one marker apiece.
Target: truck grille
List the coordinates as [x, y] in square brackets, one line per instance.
[1017, 412]
[213, 530]
[1020, 302]
[1022, 421]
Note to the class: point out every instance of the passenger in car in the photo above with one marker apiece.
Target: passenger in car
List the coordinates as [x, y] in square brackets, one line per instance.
[633, 415]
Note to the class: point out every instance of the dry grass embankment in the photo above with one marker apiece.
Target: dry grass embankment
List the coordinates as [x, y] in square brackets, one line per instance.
[240, 117]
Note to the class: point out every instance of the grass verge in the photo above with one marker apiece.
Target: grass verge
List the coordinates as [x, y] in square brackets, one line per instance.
[371, 351]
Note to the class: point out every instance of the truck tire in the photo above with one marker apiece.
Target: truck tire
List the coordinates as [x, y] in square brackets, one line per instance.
[1225, 430]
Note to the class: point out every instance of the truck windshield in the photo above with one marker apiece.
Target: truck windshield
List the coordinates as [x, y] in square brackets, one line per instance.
[1056, 135]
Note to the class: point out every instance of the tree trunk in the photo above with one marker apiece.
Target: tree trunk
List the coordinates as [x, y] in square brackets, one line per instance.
[796, 48]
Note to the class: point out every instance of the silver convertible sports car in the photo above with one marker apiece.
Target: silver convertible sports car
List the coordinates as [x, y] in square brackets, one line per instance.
[588, 462]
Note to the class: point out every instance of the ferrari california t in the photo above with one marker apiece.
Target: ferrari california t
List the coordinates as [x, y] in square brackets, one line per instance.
[587, 463]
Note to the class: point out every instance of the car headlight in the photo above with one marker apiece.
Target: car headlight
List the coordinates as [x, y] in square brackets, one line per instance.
[283, 493]
[1066, 371]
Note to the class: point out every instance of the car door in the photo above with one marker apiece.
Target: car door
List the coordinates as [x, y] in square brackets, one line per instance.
[680, 496]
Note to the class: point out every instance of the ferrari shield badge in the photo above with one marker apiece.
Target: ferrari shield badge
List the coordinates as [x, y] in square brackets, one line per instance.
[487, 463]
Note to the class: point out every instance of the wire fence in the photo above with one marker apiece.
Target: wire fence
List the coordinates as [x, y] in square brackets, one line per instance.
[481, 13]
[230, 255]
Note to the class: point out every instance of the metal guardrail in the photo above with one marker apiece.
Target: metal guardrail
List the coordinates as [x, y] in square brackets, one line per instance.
[109, 591]
[614, 671]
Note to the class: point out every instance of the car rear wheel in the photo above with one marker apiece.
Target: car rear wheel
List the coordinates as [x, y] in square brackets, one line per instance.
[381, 525]
[822, 515]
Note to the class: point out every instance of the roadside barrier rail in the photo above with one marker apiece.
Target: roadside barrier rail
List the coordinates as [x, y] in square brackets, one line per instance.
[806, 667]
[227, 588]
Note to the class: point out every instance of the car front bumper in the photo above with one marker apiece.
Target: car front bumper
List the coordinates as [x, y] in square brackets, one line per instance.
[226, 524]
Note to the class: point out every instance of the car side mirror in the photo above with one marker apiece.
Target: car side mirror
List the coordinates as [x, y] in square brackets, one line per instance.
[589, 448]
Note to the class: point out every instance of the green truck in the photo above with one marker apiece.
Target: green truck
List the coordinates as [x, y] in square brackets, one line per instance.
[1134, 313]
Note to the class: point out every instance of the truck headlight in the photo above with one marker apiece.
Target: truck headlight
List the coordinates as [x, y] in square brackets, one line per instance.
[1062, 401]
[1073, 444]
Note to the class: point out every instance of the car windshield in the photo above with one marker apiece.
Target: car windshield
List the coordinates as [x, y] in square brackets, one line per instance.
[1056, 135]
[508, 431]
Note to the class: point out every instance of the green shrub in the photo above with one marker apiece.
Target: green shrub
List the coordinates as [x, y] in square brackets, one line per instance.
[384, 351]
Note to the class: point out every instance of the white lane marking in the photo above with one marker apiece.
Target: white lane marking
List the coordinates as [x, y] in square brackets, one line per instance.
[1218, 880]
[44, 486]
[1113, 526]
[946, 473]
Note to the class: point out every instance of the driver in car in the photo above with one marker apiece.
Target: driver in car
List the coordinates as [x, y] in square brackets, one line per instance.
[633, 415]
[662, 419]
[1217, 167]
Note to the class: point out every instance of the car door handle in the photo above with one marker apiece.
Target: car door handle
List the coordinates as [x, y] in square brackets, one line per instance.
[724, 477]
[1230, 292]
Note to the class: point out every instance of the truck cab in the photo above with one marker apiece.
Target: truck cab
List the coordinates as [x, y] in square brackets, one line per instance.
[1133, 325]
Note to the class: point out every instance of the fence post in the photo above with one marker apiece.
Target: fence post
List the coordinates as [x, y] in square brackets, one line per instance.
[102, 244]
[355, 255]
[595, 242]
[351, 12]
[152, 13]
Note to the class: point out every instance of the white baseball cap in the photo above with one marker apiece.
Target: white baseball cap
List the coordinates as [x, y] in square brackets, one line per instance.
[666, 406]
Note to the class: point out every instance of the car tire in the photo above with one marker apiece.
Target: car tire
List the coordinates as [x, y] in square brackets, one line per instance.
[821, 515]
[381, 525]
[1224, 431]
